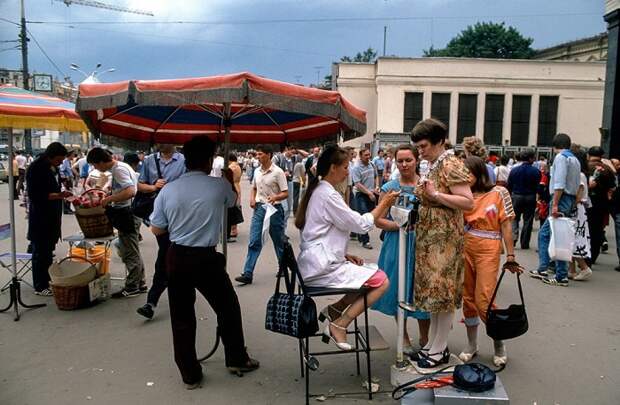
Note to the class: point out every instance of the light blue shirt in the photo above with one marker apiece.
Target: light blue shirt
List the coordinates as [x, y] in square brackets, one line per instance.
[379, 162]
[191, 208]
[170, 170]
[565, 173]
[65, 169]
[364, 174]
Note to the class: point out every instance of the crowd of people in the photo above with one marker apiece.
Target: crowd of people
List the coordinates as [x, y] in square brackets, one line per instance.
[473, 209]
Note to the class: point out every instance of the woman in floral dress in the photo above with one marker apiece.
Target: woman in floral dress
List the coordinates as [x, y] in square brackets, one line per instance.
[444, 193]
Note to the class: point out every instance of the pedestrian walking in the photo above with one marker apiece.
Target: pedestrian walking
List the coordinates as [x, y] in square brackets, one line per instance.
[45, 204]
[299, 178]
[563, 186]
[523, 183]
[502, 171]
[22, 163]
[235, 213]
[379, 163]
[190, 211]
[581, 251]
[284, 160]
[118, 210]
[158, 170]
[601, 183]
[364, 177]
[269, 187]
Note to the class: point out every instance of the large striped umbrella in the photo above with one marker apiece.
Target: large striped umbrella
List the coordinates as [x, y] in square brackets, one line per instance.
[24, 109]
[241, 108]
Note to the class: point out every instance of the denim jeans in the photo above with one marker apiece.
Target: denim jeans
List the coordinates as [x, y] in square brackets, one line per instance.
[277, 228]
[363, 204]
[565, 206]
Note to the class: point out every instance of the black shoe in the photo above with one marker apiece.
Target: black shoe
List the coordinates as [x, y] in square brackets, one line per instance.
[194, 385]
[125, 293]
[249, 365]
[143, 288]
[428, 362]
[617, 268]
[244, 279]
[556, 282]
[536, 274]
[418, 355]
[604, 247]
[146, 311]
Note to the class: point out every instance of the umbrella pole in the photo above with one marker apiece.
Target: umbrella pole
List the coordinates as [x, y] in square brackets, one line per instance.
[15, 286]
[227, 123]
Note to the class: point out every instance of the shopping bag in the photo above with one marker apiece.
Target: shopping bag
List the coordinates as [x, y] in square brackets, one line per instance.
[269, 211]
[562, 239]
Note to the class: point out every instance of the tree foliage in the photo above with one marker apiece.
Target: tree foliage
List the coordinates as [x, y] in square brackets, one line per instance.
[487, 40]
[369, 55]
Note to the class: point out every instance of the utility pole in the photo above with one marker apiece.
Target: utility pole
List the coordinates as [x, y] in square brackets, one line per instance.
[384, 38]
[25, 74]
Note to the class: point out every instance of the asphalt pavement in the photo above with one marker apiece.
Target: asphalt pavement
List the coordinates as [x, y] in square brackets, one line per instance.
[108, 354]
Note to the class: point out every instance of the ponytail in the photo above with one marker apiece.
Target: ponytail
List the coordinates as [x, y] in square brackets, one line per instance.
[332, 155]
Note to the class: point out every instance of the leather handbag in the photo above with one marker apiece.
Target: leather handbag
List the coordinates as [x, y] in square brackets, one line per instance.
[507, 323]
[144, 203]
[473, 377]
[289, 313]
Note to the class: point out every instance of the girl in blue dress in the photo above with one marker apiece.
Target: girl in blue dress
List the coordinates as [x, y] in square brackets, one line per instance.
[406, 161]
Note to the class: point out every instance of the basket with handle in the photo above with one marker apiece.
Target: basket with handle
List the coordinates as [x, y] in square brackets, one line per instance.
[69, 297]
[93, 221]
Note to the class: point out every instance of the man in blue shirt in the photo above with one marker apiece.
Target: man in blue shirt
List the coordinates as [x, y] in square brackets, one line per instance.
[563, 186]
[523, 183]
[364, 177]
[190, 210]
[66, 177]
[152, 180]
[379, 163]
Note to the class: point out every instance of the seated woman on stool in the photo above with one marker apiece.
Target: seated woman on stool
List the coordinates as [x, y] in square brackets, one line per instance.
[325, 222]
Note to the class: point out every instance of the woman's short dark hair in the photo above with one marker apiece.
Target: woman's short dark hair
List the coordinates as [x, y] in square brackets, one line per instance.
[98, 155]
[55, 149]
[198, 152]
[406, 146]
[479, 170]
[430, 129]
[561, 141]
[596, 151]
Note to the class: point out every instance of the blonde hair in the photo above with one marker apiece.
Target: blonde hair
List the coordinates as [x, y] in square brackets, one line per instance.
[474, 147]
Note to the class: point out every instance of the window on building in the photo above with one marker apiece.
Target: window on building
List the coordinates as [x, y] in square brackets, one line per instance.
[520, 126]
[413, 110]
[440, 107]
[547, 119]
[493, 119]
[466, 125]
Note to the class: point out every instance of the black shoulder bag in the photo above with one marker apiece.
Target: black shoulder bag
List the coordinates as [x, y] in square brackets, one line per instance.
[143, 203]
[289, 313]
[506, 323]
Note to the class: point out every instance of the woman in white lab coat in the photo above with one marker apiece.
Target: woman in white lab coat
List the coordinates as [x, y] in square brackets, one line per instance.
[325, 222]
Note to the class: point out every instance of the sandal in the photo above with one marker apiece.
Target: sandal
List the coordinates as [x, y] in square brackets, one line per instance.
[427, 361]
[324, 314]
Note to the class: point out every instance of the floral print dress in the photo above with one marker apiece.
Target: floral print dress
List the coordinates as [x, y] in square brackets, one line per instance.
[438, 285]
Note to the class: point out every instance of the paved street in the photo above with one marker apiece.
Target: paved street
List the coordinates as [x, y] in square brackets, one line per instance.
[108, 354]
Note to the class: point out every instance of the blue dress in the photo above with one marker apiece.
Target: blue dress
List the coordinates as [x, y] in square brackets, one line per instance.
[388, 262]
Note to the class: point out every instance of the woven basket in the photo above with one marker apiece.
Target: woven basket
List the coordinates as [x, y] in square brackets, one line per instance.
[73, 297]
[93, 222]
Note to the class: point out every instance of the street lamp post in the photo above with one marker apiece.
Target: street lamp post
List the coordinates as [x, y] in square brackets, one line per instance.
[93, 77]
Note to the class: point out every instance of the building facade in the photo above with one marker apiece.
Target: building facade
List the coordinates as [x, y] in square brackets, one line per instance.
[591, 49]
[504, 102]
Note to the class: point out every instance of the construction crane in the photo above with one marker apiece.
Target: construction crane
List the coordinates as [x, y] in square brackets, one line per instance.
[98, 4]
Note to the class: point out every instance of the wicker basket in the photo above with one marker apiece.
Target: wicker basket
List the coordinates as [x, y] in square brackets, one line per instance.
[93, 222]
[72, 297]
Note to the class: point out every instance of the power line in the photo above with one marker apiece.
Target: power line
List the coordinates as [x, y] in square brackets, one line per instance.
[9, 21]
[62, 74]
[316, 20]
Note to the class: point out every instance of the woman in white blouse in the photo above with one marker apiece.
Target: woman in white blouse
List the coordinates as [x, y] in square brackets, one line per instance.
[325, 222]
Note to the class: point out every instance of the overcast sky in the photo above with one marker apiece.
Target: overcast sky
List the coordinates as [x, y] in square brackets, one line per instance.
[287, 40]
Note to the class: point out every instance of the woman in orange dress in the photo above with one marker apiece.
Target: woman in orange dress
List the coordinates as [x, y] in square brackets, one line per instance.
[486, 226]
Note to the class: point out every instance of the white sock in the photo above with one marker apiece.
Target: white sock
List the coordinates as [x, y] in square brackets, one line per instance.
[500, 348]
[472, 339]
[444, 323]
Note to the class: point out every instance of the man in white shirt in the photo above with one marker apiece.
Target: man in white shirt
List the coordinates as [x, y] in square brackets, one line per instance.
[21, 170]
[268, 187]
[118, 209]
[218, 165]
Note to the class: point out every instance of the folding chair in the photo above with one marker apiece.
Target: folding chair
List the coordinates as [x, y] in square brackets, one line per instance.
[24, 266]
[307, 358]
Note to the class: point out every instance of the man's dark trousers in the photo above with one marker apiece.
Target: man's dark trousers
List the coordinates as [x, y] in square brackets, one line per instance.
[203, 269]
[160, 278]
[523, 205]
[596, 225]
[42, 257]
[363, 204]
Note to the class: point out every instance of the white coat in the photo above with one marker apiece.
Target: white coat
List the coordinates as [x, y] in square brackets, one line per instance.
[324, 239]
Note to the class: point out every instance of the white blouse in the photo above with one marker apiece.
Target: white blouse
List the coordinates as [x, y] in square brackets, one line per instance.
[324, 239]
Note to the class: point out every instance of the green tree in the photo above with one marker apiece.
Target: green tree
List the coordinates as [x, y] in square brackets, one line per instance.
[487, 40]
[369, 55]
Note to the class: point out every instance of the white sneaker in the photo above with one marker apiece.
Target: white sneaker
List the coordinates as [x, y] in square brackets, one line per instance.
[583, 275]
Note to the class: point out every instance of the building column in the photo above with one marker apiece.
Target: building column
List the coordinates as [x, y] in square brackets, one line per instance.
[454, 116]
[480, 105]
[610, 131]
[533, 135]
[507, 121]
[426, 104]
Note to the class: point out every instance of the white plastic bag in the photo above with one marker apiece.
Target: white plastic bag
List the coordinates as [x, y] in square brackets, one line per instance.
[562, 239]
[269, 211]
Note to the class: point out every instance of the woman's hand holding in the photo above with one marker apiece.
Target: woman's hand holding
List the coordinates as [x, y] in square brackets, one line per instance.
[354, 259]
[429, 190]
[390, 197]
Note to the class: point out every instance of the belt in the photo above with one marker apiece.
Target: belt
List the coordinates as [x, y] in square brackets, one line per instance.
[210, 249]
[483, 234]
